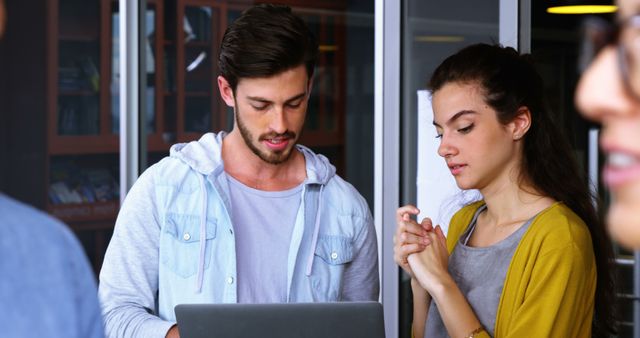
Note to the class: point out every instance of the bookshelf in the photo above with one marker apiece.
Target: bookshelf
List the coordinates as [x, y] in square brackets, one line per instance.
[81, 61]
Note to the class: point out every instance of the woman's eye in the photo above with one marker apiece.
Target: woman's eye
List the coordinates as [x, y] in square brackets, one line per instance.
[294, 105]
[466, 129]
[439, 136]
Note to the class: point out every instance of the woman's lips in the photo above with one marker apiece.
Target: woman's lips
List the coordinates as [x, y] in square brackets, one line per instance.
[620, 169]
[456, 169]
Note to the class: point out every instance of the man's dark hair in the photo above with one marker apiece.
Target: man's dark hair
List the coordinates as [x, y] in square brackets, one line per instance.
[264, 41]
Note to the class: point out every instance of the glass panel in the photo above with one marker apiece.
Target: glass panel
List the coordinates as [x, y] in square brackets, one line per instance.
[198, 68]
[60, 97]
[149, 49]
[198, 113]
[115, 69]
[78, 68]
[319, 84]
[150, 60]
[78, 114]
[431, 31]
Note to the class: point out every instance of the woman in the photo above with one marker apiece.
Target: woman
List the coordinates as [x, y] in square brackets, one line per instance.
[530, 259]
[609, 93]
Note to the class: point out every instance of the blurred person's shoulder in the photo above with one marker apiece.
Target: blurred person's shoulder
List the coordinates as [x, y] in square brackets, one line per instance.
[24, 228]
[17, 217]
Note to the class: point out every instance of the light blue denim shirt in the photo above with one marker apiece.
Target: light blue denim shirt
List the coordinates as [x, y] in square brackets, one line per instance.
[174, 242]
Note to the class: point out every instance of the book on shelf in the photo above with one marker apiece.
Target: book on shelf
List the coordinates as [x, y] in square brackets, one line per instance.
[78, 115]
[72, 184]
[78, 74]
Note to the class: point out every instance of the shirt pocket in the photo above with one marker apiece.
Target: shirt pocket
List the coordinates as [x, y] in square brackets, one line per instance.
[180, 243]
[332, 254]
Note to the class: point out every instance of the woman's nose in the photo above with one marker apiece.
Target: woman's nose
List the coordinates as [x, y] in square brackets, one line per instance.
[445, 149]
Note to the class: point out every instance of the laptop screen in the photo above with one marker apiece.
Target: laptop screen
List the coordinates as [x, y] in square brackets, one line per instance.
[281, 320]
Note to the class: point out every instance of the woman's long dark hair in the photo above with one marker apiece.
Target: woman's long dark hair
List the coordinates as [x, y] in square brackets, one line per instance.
[510, 81]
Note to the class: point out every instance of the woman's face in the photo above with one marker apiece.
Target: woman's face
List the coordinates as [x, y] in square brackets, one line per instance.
[481, 153]
[602, 96]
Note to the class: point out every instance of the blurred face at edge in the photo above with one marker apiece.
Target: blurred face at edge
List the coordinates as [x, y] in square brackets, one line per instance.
[604, 96]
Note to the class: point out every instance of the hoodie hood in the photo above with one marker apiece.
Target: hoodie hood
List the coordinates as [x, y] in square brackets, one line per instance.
[205, 157]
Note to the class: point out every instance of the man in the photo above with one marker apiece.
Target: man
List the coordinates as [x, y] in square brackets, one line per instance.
[248, 216]
[609, 93]
[47, 287]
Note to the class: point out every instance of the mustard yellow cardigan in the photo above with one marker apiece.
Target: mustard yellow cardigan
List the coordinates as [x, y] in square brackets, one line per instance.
[551, 281]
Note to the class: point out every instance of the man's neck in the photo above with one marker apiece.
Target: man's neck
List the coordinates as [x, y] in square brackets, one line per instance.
[248, 168]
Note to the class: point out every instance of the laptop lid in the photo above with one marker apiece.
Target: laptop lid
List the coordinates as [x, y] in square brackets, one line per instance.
[281, 320]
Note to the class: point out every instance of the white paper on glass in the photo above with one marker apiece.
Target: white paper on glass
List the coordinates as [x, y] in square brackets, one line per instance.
[438, 195]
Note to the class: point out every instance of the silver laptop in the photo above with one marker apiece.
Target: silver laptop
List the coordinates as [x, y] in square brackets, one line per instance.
[299, 320]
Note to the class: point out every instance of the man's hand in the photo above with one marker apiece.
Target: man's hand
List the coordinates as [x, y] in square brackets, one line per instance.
[173, 332]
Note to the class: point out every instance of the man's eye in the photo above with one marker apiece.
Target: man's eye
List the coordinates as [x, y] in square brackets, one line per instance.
[260, 107]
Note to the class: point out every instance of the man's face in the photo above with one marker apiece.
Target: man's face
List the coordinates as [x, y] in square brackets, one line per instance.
[270, 113]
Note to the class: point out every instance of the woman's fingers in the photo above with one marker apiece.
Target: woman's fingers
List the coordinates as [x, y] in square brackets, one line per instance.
[406, 210]
[426, 224]
[409, 225]
[409, 238]
[440, 235]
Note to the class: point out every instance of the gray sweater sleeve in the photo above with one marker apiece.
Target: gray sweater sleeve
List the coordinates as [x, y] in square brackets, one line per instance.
[129, 276]
[361, 278]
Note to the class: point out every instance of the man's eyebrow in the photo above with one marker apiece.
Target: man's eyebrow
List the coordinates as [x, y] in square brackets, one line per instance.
[264, 100]
[258, 99]
[456, 116]
[297, 97]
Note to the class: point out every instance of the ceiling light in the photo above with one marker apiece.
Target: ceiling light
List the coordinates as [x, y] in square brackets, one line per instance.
[582, 9]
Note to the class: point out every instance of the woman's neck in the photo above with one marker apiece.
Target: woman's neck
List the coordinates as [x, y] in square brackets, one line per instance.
[511, 202]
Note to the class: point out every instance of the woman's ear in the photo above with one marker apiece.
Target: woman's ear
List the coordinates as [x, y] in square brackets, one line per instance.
[226, 92]
[521, 123]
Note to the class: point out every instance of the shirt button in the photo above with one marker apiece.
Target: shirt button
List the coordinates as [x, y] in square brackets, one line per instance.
[334, 255]
[186, 236]
[229, 280]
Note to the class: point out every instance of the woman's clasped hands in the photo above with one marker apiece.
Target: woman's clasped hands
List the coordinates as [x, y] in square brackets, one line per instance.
[420, 249]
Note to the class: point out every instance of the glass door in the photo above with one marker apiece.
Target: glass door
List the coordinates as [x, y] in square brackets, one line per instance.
[431, 31]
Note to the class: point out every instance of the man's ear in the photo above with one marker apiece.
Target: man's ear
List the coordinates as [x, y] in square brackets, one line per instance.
[521, 123]
[226, 92]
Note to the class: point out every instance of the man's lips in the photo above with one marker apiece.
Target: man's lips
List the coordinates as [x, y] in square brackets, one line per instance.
[277, 143]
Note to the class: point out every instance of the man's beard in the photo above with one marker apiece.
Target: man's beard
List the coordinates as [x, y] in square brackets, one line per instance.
[271, 157]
